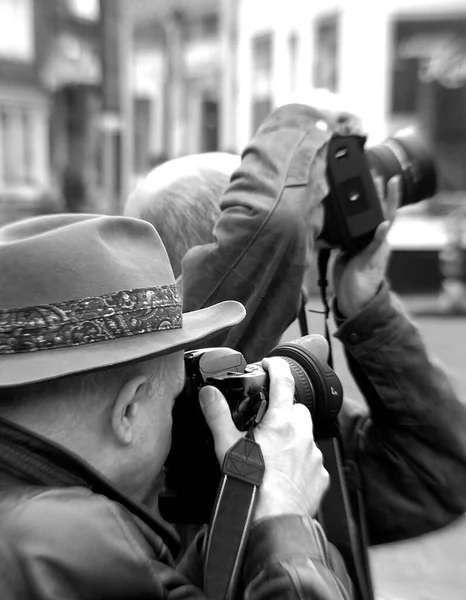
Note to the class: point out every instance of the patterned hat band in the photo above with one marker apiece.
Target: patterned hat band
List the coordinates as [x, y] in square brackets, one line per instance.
[90, 320]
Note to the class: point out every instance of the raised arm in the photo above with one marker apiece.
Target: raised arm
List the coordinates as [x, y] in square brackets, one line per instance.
[269, 216]
[410, 444]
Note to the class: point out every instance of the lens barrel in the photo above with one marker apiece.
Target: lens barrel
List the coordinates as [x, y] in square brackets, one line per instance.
[405, 155]
[317, 386]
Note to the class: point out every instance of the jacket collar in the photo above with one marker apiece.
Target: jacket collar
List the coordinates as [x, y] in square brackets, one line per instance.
[35, 460]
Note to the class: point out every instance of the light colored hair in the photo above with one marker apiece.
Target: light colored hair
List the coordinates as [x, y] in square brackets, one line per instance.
[181, 200]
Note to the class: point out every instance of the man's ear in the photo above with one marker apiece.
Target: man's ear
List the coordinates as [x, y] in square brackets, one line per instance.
[125, 408]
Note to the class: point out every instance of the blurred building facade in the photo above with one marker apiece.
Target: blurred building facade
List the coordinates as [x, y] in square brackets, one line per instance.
[177, 79]
[201, 76]
[396, 63]
[24, 105]
[67, 86]
[221, 65]
[49, 77]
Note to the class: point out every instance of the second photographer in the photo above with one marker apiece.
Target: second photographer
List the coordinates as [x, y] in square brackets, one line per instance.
[410, 440]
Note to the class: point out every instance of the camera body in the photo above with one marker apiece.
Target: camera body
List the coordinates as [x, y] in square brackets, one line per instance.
[192, 470]
[353, 210]
[244, 386]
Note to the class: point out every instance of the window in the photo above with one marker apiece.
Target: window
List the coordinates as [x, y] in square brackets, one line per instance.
[262, 74]
[326, 51]
[293, 46]
[23, 145]
[201, 27]
[426, 52]
[16, 30]
[260, 110]
[262, 56]
[428, 87]
[209, 25]
[142, 128]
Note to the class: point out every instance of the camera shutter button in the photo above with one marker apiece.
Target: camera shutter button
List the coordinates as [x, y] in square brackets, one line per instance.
[353, 338]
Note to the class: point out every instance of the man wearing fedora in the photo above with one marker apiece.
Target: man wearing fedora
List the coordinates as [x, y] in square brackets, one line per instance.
[409, 439]
[91, 359]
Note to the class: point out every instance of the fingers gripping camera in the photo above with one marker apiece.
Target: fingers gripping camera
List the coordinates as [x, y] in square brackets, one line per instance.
[246, 387]
[192, 470]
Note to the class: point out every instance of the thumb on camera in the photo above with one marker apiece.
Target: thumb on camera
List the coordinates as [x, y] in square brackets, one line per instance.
[218, 417]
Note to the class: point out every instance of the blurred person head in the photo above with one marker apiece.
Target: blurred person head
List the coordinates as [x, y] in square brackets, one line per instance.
[92, 338]
[180, 198]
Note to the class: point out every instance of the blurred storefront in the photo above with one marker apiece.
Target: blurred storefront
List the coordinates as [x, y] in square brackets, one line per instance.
[201, 76]
[396, 63]
[49, 101]
[429, 88]
[208, 73]
[72, 76]
[177, 79]
[24, 111]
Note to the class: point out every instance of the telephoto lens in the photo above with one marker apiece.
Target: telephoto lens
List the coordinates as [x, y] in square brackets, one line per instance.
[317, 386]
[407, 155]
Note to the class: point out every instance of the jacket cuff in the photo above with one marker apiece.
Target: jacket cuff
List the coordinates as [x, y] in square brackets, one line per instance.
[373, 326]
[281, 538]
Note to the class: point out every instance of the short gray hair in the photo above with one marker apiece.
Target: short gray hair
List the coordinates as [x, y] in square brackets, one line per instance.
[181, 200]
[77, 391]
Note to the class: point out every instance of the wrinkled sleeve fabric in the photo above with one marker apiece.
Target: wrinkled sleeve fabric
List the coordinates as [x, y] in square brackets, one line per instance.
[410, 443]
[76, 545]
[287, 557]
[269, 215]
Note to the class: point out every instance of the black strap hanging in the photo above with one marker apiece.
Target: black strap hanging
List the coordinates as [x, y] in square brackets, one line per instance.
[342, 511]
[343, 520]
[243, 470]
[302, 319]
[322, 262]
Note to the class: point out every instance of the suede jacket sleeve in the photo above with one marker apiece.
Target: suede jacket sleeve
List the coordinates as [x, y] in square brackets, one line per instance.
[286, 557]
[71, 544]
[269, 213]
[410, 446]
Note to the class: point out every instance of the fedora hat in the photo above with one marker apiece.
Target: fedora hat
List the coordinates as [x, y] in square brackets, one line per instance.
[82, 292]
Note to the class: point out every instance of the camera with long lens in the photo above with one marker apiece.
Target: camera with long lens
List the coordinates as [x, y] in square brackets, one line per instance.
[353, 210]
[192, 470]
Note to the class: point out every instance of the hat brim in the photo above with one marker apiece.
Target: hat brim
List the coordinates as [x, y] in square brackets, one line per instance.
[31, 367]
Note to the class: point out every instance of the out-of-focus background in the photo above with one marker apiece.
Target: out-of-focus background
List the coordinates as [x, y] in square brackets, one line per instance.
[93, 94]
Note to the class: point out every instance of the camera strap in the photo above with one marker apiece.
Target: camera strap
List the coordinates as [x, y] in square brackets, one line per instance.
[243, 470]
[342, 517]
[342, 511]
[322, 262]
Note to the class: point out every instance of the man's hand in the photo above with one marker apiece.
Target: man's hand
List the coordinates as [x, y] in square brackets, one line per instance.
[357, 277]
[295, 479]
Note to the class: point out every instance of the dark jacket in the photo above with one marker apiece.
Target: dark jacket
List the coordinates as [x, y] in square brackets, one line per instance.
[67, 534]
[411, 443]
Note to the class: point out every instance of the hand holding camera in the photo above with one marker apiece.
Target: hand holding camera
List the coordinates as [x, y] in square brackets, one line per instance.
[358, 276]
[295, 479]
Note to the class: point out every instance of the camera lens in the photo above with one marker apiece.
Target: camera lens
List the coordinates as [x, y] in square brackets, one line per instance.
[405, 154]
[316, 385]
